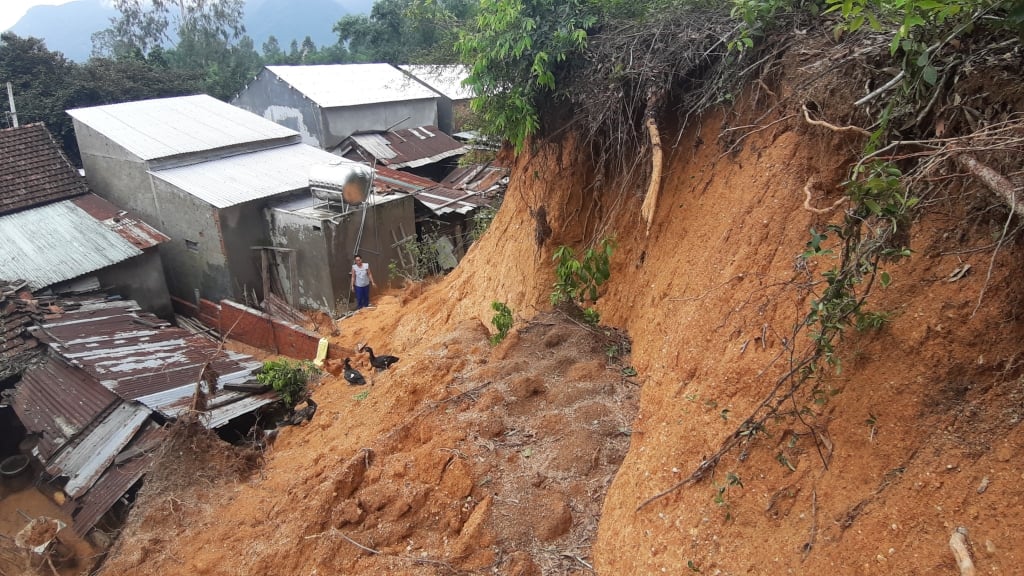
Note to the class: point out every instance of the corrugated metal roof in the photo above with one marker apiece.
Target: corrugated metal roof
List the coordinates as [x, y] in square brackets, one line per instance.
[446, 79]
[140, 357]
[245, 177]
[125, 224]
[86, 510]
[408, 148]
[480, 178]
[34, 170]
[337, 85]
[439, 199]
[93, 452]
[57, 402]
[56, 242]
[166, 127]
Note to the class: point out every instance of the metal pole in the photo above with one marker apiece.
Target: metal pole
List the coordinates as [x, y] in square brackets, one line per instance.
[10, 99]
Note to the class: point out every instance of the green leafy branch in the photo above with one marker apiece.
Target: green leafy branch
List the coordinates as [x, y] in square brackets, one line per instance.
[578, 280]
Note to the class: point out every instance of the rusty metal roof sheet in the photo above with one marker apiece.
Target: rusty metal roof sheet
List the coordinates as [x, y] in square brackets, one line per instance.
[137, 355]
[439, 199]
[166, 127]
[337, 85]
[85, 459]
[125, 224]
[56, 242]
[34, 170]
[407, 148]
[57, 402]
[118, 478]
[483, 178]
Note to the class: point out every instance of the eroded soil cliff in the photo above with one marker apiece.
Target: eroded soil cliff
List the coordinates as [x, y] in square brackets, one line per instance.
[465, 458]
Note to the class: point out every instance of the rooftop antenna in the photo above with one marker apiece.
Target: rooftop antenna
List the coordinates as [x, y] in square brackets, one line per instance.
[14, 111]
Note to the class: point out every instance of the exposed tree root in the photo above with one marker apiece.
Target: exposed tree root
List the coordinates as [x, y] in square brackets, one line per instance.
[654, 187]
[833, 127]
[993, 180]
[807, 200]
[962, 554]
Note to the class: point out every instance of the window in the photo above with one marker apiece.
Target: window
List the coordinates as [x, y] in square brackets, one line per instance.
[193, 246]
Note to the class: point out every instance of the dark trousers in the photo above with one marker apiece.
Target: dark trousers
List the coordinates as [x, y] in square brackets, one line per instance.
[362, 297]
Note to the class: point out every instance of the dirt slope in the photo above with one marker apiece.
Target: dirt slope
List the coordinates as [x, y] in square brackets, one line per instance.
[465, 458]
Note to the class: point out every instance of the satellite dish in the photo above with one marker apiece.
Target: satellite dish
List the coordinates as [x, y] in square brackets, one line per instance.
[347, 182]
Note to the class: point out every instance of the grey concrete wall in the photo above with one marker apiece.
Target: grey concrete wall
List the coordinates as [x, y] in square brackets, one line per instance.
[117, 175]
[141, 279]
[273, 99]
[324, 249]
[314, 283]
[376, 247]
[202, 265]
[445, 114]
[340, 123]
[242, 227]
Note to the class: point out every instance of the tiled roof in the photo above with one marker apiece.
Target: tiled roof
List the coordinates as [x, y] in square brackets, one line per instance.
[407, 148]
[34, 170]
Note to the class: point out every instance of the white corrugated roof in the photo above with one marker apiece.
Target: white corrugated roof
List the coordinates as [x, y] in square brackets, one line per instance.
[57, 242]
[238, 179]
[446, 79]
[165, 127]
[336, 85]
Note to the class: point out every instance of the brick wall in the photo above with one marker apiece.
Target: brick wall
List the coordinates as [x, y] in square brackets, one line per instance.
[256, 328]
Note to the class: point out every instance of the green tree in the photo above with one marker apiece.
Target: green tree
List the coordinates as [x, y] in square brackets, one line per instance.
[146, 24]
[517, 48]
[42, 84]
[404, 31]
[272, 53]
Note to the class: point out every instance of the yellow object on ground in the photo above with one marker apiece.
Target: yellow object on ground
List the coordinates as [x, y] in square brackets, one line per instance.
[321, 353]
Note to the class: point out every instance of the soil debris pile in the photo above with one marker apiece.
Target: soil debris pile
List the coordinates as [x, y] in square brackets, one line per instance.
[502, 465]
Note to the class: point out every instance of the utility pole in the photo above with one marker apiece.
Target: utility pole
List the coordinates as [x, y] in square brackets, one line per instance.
[10, 99]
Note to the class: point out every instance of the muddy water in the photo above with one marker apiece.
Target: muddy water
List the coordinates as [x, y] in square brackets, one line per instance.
[14, 506]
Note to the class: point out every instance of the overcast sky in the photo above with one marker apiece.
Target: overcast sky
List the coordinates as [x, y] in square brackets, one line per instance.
[13, 10]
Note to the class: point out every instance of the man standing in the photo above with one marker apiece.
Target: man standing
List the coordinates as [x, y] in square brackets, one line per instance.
[362, 279]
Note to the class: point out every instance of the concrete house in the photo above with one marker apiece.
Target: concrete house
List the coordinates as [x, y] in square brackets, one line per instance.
[307, 232]
[447, 80]
[54, 233]
[329, 103]
[207, 172]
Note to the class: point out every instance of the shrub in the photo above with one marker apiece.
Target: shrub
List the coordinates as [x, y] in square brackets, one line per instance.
[502, 320]
[287, 378]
